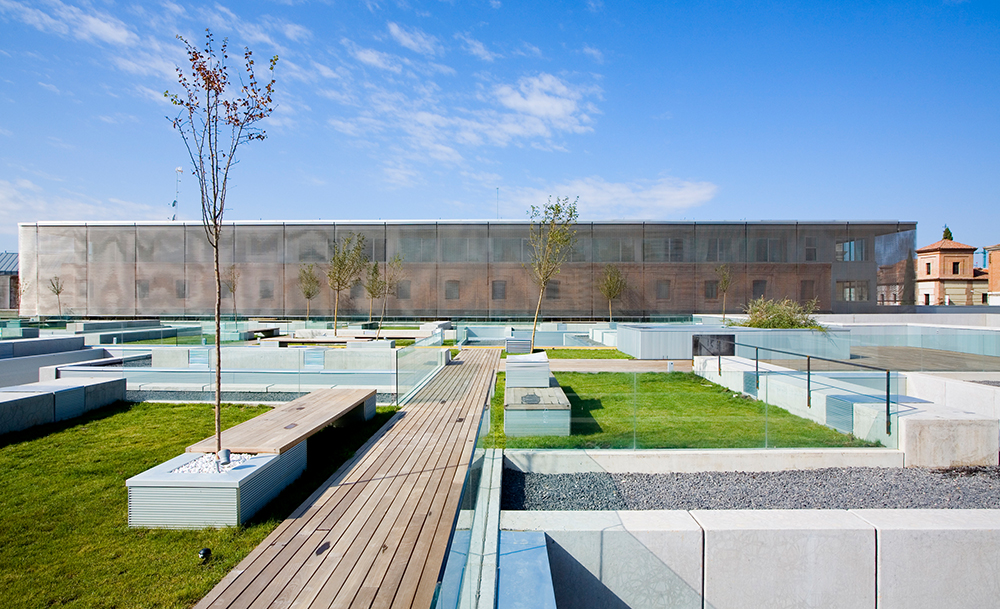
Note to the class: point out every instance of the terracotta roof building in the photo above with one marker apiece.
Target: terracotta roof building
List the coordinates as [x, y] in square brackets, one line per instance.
[946, 275]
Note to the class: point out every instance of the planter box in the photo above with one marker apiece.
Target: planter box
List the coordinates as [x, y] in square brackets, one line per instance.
[160, 499]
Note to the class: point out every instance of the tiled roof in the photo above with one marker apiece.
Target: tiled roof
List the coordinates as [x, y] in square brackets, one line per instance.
[8, 263]
[945, 244]
[978, 272]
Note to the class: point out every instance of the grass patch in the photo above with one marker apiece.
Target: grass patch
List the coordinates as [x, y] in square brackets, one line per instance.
[185, 340]
[64, 538]
[675, 410]
[595, 353]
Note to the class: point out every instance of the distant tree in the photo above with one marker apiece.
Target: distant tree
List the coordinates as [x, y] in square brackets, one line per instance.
[56, 286]
[947, 234]
[551, 237]
[725, 276]
[612, 285]
[392, 274]
[373, 286]
[213, 126]
[909, 295]
[309, 284]
[231, 281]
[346, 265]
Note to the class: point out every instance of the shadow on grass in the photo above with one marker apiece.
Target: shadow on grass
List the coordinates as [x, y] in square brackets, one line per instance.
[582, 421]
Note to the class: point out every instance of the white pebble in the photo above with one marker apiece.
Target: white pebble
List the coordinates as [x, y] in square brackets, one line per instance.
[206, 464]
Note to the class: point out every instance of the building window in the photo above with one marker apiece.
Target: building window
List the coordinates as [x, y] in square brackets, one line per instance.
[928, 268]
[614, 250]
[956, 268]
[552, 291]
[711, 290]
[759, 288]
[142, 288]
[418, 249]
[266, 290]
[403, 290]
[719, 250]
[807, 290]
[986, 299]
[851, 251]
[663, 289]
[927, 299]
[499, 290]
[508, 249]
[663, 250]
[451, 289]
[768, 250]
[852, 291]
[180, 288]
[810, 249]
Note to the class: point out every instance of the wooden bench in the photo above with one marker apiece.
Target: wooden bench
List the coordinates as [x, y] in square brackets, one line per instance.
[285, 426]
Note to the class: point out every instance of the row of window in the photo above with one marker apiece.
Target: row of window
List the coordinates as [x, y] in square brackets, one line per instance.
[956, 268]
[847, 291]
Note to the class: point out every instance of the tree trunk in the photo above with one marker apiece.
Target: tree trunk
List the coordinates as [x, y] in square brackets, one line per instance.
[610, 319]
[308, 302]
[538, 308]
[218, 352]
[385, 299]
[336, 306]
[723, 306]
[371, 303]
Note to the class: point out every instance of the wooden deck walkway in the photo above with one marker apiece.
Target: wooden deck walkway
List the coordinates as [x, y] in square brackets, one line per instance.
[285, 426]
[375, 534]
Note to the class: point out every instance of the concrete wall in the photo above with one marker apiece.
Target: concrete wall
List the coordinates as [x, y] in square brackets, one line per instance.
[954, 391]
[21, 370]
[38, 346]
[647, 341]
[888, 559]
[39, 403]
[279, 359]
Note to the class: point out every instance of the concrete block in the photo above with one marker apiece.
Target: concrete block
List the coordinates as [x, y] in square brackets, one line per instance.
[787, 558]
[949, 439]
[619, 559]
[20, 411]
[525, 581]
[936, 558]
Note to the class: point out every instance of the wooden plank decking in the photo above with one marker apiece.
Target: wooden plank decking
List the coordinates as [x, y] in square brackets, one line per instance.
[287, 425]
[375, 534]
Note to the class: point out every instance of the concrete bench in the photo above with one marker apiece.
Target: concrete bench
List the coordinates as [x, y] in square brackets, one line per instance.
[24, 406]
[530, 411]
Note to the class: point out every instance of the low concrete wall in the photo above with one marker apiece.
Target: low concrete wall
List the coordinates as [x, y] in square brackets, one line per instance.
[22, 410]
[559, 461]
[24, 347]
[257, 358]
[21, 370]
[954, 391]
[770, 558]
[25, 406]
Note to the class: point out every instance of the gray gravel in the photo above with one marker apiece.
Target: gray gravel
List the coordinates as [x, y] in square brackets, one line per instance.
[992, 383]
[832, 488]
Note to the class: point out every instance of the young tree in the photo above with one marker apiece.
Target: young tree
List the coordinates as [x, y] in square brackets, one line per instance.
[56, 286]
[309, 284]
[231, 280]
[346, 265]
[612, 285]
[213, 125]
[947, 234]
[551, 237]
[391, 277]
[373, 286]
[725, 276]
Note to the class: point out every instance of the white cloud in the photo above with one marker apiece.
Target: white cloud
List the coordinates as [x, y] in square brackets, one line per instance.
[477, 48]
[595, 5]
[495, 3]
[50, 87]
[593, 53]
[549, 99]
[602, 200]
[88, 25]
[414, 39]
[371, 57]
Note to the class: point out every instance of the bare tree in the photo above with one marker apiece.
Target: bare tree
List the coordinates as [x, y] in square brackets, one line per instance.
[391, 277]
[373, 286]
[725, 276]
[612, 285]
[56, 286]
[309, 284]
[551, 238]
[231, 281]
[346, 265]
[213, 125]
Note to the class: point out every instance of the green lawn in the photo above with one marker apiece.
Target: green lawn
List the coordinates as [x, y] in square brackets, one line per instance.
[568, 353]
[675, 410]
[64, 538]
[186, 340]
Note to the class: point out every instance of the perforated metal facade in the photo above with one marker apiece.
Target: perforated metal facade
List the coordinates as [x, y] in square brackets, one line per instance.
[456, 269]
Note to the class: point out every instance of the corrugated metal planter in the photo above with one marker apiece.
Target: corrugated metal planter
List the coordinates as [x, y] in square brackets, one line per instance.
[163, 500]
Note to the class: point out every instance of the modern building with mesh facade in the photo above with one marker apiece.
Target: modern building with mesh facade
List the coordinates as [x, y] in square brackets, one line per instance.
[461, 269]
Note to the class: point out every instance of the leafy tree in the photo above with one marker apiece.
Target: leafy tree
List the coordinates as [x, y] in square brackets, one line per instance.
[373, 286]
[612, 285]
[947, 234]
[725, 276]
[786, 314]
[56, 286]
[213, 125]
[309, 284]
[391, 277]
[551, 237]
[346, 265]
[231, 281]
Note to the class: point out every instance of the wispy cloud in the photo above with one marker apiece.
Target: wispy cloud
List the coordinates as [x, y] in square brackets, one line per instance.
[549, 99]
[50, 87]
[414, 39]
[602, 200]
[595, 54]
[595, 6]
[477, 48]
[70, 21]
[373, 57]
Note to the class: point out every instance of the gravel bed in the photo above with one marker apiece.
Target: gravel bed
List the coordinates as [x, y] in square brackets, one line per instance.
[231, 396]
[991, 383]
[205, 464]
[831, 488]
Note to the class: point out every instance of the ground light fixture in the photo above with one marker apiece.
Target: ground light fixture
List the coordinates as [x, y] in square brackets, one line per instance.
[205, 555]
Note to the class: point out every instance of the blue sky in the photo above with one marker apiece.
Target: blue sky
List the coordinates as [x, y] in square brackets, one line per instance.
[421, 110]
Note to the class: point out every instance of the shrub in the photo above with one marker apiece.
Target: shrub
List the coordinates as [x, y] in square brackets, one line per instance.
[786, 314]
